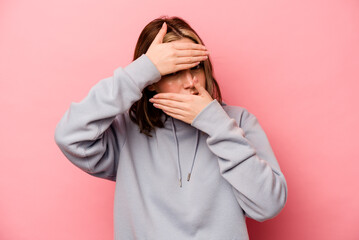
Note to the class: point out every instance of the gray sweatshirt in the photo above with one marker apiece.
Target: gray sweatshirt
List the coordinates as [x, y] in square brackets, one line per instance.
[234, 172]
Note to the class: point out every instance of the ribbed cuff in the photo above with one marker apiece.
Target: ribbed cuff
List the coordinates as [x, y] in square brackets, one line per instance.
[212, 119]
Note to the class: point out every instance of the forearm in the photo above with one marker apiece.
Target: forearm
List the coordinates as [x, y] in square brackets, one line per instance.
[84, 133]
[246, 161]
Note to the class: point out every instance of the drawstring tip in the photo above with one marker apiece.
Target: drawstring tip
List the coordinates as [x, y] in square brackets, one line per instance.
[180, 182]
[188, 177]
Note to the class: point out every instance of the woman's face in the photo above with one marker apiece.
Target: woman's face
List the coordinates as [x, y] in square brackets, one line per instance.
[181, 81]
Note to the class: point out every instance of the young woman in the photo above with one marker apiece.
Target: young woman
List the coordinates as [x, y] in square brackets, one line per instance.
[186, 165]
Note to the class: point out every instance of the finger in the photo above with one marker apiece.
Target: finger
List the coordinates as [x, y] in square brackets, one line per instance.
[188, 46]
[191, 53]
[199, 87]
[173, 96]
[177, 116]
[169, 103]
[170, 109]
[161, 34]
[183, 66]
[189, 60]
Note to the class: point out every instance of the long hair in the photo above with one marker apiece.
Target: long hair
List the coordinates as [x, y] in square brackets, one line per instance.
[142, 112]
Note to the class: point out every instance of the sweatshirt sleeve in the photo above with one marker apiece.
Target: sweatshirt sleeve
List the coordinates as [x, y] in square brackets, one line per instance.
[246, 160]
[92, 132]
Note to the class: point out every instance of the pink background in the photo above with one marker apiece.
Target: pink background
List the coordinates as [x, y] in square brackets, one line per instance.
[294, 64]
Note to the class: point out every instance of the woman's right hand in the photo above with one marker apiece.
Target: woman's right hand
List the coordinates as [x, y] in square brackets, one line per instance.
[174, 56]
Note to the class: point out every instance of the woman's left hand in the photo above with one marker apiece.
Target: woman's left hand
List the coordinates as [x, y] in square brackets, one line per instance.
[184, 107]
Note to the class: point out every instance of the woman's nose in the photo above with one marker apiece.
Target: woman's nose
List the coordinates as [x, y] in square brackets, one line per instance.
[188, 79]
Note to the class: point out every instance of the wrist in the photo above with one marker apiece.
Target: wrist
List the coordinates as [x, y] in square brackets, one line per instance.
[143, 72]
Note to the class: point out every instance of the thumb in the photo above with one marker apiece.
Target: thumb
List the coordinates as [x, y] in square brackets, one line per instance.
[199, 87]
[160, 35]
